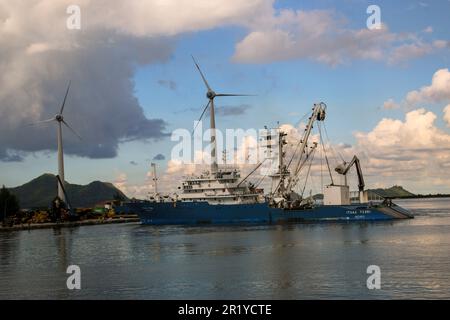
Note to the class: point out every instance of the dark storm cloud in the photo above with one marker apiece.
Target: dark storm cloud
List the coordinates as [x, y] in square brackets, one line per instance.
[172, 85]
[223, 111]
[7, 156]
[159, 157]
[232, 110]
[101, 105]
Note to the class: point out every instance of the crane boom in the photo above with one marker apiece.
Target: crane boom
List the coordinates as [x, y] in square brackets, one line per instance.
[318, 114]
[344, 168]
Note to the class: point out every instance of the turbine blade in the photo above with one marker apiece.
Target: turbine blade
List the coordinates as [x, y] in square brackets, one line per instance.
[41, 122]
[65, 97]
[201, 116]
[201, 73]
[234, 95]
[73, 131]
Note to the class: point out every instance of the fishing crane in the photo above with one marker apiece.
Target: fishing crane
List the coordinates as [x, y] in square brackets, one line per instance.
[318, 114]
[345, 167]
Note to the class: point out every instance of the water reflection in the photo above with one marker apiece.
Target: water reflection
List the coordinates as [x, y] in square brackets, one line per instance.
[257, 262]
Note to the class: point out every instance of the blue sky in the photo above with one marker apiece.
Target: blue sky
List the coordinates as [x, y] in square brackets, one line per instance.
[354, 91]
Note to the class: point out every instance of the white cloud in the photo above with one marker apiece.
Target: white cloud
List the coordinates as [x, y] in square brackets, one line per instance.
[37, 48]
[414, 151]
[120, 181]
[417, 131]
[390, 104]
[324, 36]
[172, 17]
[410, 51]
[134, 190]
[438, 91]
[441, 44]
[447, 115]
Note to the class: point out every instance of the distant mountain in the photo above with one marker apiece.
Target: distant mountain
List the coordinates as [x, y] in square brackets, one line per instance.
[41, 191]
[393, 192]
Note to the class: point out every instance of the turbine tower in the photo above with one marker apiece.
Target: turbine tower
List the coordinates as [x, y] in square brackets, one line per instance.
[210, 95]
[60, 120]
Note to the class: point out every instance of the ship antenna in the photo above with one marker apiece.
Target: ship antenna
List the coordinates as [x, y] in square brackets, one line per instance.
[224, 156]
[155, 179]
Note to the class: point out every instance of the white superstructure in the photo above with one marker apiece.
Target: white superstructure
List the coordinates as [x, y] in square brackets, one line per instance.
[223, 187]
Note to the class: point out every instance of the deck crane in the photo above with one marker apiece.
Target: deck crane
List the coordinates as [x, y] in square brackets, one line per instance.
[283, 194]
[343, 170]
[345, 167]
[318, 114]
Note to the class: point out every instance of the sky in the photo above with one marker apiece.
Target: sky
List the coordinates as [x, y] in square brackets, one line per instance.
[133, 82]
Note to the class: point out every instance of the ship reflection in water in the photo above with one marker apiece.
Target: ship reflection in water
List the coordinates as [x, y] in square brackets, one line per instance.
[313, 261]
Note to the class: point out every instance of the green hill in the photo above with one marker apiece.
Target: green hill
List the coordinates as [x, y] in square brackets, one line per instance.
[41, 191]
[393, 192]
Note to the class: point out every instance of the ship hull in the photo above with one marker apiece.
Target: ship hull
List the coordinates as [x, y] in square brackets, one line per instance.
[193, 213]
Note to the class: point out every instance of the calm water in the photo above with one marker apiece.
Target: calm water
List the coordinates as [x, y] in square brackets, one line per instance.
[272, 262]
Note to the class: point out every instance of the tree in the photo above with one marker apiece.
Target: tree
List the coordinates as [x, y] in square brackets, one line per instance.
[9, 204]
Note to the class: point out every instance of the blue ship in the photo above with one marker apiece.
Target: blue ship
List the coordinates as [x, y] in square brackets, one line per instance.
[201, 213]
[221, 196]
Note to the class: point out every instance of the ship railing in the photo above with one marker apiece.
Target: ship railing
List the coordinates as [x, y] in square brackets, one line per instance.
[372, 197]
[375, 197]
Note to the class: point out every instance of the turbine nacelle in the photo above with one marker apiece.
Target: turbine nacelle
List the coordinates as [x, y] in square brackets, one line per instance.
[210, 94]
[59, 116]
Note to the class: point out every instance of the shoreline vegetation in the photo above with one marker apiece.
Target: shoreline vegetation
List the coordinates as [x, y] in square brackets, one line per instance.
[58, 214]
[425, 196]
[70, 224]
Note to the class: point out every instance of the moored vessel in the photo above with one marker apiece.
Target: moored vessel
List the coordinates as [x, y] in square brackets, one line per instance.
[221, 195]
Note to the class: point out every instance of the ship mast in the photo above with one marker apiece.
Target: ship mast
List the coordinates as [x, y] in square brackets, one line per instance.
[155, 179]
[224, 156]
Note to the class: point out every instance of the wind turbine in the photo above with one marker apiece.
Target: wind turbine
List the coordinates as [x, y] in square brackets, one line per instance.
[211, 94]
[60, 120]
